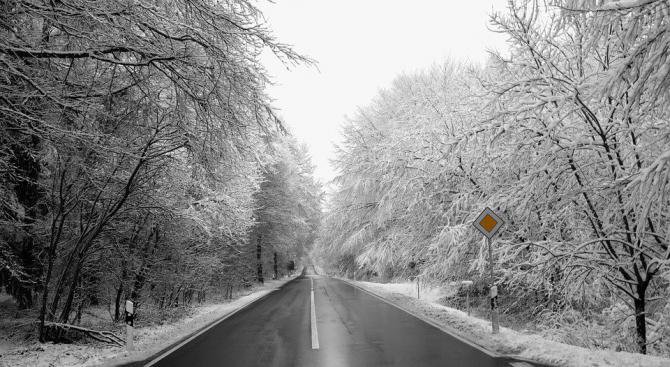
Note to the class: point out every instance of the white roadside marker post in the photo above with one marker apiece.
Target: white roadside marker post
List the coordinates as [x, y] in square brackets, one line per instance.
[412, 266]
[489, 223]
[468, 285]
[129, 325]
[467, 301]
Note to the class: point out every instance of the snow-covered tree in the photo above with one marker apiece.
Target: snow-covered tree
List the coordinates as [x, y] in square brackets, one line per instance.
[120, 123]
[566, 136]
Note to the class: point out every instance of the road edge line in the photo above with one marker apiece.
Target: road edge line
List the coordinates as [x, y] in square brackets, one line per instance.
[172, 348]
[447, 330]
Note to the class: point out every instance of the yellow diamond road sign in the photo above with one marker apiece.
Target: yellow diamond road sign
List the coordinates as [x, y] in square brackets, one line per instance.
[488, 223]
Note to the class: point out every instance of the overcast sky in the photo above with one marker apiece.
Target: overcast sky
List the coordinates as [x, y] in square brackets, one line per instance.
[360, 47]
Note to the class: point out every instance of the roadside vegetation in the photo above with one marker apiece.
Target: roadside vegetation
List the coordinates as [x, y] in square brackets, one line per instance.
[566, 136]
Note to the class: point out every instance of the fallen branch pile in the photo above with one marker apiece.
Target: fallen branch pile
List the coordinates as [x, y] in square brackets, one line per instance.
[58, 331]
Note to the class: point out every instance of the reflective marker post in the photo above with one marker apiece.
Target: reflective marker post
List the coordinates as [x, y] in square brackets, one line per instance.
[468, 285]
[412, 266]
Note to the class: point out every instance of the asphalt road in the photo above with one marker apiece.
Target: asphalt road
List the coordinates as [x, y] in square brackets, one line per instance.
[353, 328]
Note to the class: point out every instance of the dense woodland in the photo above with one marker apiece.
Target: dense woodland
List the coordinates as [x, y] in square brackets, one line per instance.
[567, 136]
[140, 157]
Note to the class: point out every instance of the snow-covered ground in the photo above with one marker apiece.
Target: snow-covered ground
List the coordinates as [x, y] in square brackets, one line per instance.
[508, 342]
[147, 341]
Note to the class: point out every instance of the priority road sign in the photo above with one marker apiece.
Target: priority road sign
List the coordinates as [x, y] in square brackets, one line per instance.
[488, 223]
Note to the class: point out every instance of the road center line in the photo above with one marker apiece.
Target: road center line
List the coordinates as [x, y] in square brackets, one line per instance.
[315, 333]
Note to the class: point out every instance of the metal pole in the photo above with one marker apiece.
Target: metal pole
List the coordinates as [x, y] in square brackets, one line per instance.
[467, 300]
[493, 293]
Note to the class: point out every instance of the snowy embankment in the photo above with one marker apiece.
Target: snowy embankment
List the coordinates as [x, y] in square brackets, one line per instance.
[508, 342]
[148, 341]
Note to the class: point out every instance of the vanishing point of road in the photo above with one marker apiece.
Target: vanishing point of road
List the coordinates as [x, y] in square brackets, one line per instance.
[315, 321]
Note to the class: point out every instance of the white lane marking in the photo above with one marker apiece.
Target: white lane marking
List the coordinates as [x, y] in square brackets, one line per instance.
[315, 333]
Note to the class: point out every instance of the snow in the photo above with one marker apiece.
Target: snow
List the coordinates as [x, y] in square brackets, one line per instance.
[509, 342]
[147, 341]
[151, 340]
[426, 292]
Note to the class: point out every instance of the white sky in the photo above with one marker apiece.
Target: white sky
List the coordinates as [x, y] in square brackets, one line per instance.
[360, 47]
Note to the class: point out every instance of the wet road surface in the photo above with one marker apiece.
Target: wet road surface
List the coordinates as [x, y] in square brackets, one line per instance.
[354, 329]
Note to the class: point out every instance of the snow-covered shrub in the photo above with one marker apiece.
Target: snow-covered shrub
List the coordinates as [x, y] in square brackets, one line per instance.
[659, 332]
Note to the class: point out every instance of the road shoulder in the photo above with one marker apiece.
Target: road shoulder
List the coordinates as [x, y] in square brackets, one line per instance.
[149, 342]
[189, 329]
[509, 344]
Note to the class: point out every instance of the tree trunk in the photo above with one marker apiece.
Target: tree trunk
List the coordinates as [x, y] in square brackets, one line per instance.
[80, 308]
[258, 260]
[117, 301]
[67, 306]
[88, 237]
[45, 291]
[276, 275]
[141, 275]
[641, 323]
[60, 285]
[57, 224]
[119, 292]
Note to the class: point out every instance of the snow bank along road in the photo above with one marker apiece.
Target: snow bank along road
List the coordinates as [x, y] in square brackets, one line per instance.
[320, 321]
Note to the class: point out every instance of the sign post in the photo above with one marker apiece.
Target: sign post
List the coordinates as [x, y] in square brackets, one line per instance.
[130, 317]
[494, 293]
[489, 223]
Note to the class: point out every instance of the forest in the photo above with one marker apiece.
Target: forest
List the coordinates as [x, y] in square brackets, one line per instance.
[141, 158]
[566, 136]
